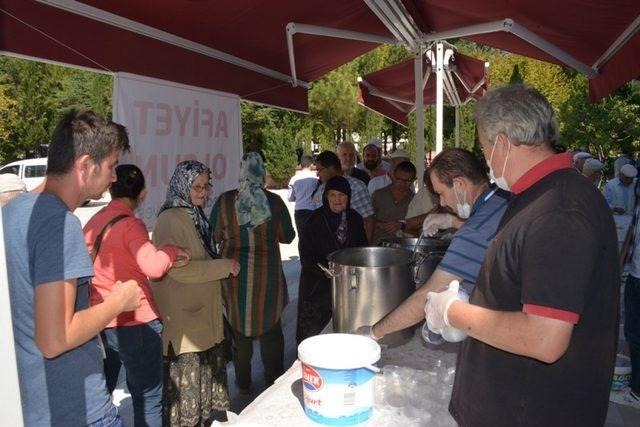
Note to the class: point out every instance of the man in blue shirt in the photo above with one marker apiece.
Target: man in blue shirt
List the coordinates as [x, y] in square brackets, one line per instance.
[459, 179]
[59, 355]
[301, 188]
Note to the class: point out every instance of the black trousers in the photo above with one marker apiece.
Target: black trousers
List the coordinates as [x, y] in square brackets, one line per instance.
[301, 216]
[271, 350]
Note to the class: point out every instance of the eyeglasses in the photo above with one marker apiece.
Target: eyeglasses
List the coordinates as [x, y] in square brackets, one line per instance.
[406, 181]
[201, 188]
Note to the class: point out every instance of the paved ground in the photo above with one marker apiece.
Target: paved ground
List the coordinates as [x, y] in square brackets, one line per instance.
[618, 415]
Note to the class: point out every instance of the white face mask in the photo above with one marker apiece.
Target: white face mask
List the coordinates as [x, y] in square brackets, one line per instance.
[501, 182]
[464, 208]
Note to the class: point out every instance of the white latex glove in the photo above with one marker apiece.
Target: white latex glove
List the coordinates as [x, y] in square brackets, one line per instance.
[437, 305]
[434, 222]
[366, 331]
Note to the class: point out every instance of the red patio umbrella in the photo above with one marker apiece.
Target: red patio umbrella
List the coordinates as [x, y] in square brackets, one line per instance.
[235, 46]
[391, 91]
[598, 38]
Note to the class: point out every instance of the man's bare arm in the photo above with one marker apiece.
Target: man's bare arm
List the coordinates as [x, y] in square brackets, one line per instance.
[414, 224]
[517, 332]
[369, 225]
[411, 311]
[58, 328]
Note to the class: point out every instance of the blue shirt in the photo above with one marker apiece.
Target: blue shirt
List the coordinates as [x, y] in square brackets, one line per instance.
[44, 243]
[466, 251]
[301, 188]
[614, 200]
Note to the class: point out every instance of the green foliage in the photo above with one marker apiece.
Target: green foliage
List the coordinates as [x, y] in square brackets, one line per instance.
[29, 85]
[280, 154]
[605, 128]
[7, 112]
[33, 97]
[84, 90]
[275, 134]
[516, 77]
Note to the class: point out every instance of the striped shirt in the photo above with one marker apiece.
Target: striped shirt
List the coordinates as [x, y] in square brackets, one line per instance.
[360, 198]
[466, 251]
[255, 299]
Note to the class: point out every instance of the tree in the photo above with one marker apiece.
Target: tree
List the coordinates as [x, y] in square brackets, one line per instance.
[7, 112]
[516, 77]
[605, 128]
[84, 90]
[29, 85]
[280, 154]
[333, 100]
[275, 134]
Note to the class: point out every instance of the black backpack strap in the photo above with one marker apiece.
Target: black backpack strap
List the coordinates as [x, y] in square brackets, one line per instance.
[98, 242]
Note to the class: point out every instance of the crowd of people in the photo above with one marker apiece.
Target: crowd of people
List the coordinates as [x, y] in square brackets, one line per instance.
[542, 318]
[539, 331]
[88, 302]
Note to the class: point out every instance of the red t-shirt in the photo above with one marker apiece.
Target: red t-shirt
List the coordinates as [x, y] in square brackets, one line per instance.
[126, 253]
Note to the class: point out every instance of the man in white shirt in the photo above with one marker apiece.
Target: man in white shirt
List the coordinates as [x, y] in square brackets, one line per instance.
[301, 188]
[623, 159]
[372, 162]
[619, 194]
[592, 170]
[382, 181]
[580, 158]
[346, 152]
[10, 186]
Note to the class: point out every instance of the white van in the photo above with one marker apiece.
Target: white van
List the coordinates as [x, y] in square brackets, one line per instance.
[31, 171]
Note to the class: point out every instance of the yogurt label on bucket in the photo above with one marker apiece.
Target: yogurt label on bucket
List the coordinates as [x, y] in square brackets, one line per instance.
[338, 396]
[310, 378]
[338, 378]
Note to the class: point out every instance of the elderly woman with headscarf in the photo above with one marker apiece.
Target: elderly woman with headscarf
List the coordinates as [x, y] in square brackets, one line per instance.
[251, 222]
[331, 227]
[190, 302]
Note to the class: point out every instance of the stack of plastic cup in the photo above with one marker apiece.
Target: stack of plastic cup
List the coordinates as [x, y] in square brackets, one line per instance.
[410, 397]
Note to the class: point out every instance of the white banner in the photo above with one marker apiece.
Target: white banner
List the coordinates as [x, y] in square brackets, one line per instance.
[168, 123]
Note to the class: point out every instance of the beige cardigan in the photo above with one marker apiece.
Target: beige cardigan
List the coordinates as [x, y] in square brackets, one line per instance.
[189, 298]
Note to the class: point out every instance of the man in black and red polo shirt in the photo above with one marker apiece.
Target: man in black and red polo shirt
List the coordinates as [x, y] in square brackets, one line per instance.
[543, 319]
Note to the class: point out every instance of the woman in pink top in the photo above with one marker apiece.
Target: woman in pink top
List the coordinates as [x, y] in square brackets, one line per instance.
[132, 339]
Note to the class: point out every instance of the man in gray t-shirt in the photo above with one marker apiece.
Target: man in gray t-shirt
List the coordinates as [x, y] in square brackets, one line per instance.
[390, 203]
[49, 269]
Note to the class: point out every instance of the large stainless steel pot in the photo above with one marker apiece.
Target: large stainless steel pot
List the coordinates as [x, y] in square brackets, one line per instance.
[427, 254]
[368, 283]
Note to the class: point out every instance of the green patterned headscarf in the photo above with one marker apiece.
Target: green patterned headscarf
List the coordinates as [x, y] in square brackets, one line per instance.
[252, 205]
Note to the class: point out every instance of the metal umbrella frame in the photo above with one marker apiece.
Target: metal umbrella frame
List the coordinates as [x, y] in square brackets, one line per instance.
[387, 91]
[560, 32]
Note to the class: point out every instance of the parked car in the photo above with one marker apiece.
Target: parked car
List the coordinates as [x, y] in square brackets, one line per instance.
[31, 171]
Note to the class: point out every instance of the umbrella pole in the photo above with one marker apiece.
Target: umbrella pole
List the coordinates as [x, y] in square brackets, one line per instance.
[419, 111]
[439, 95]
[457, 126]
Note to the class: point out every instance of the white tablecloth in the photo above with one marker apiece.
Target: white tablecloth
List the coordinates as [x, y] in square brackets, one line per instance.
[281, 404]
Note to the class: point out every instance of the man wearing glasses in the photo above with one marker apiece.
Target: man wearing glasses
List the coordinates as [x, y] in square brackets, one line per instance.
[390, 203]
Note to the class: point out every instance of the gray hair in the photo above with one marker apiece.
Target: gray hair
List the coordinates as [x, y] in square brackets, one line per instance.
[345, 144]
[520, 112]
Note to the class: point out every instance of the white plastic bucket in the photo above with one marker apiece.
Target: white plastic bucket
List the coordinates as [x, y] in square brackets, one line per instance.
[338, 378]
[622, 373]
